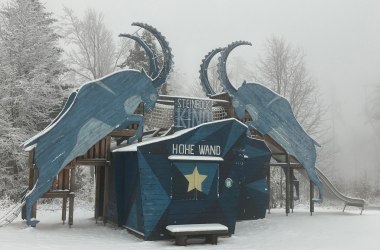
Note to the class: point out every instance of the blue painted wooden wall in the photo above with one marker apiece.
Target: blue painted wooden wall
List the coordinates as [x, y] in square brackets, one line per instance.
[152, 191]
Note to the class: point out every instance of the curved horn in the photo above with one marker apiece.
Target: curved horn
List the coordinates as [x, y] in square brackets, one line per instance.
[205, 83]
[168, 57]
[222, 68]
[153, 63]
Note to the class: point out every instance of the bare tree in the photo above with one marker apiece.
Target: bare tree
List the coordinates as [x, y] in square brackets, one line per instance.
[92, 52]
[283, 69]
[238, 71]
[372, 114]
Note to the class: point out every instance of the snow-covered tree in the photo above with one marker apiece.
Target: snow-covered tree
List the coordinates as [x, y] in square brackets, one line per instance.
[29, 40]
[30, 93]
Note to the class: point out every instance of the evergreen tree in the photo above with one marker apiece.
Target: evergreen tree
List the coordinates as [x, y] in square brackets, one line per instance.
[30, 95]
[137, 58]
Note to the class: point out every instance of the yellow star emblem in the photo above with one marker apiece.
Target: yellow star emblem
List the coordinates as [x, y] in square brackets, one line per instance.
[195, 180]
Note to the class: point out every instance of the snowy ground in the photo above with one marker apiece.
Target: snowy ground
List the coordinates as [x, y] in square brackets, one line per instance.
[328, 228]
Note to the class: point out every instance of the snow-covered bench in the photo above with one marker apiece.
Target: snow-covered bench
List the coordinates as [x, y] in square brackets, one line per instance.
[210, 231]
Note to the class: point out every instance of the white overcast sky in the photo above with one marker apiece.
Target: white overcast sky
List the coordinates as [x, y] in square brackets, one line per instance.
[341, 39]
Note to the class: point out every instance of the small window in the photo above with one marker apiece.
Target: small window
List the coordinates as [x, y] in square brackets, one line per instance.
[194, 180]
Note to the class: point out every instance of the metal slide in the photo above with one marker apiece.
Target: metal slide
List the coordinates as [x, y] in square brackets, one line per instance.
[12, 214]
[334, 193]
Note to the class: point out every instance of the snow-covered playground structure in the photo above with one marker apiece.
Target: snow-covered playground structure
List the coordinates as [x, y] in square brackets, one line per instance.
[164, 160]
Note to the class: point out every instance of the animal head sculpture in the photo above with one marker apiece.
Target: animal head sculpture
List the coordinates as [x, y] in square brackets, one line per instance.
[91, 113]
[271, 115]
[153, 62]
[203, 76]
[159, 77]
[166, 50]
[237, 102]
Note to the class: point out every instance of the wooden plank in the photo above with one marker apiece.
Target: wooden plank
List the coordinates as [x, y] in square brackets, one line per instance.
[54, 185]
[32, 178]
[72, 178]
[92, 152]
[60, 180]
[66, 179]
[97, 192]
[31, 169]
[105, 195]
[102, 148]
[291, 174]
[92, 162]
[123, 133]
[108, 147]
[101, 192]
[96, 150]
[64, 205]
[71, 209]
[70, 165]
[57, 194]
[34, 210]
[287, 187]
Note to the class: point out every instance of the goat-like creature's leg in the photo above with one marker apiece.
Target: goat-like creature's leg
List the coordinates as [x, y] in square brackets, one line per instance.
[42, 186]
[133, 119]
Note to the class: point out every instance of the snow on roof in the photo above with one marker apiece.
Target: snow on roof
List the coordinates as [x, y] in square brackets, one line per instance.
[133, 147]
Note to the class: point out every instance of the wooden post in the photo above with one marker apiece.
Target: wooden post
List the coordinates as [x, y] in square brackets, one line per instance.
[311, 198]
[101, 192]
[287, 186]
[32, 179]
[97, 192]
[105, 195]
[291, 174]
[71, 208]
[106, 176]
[72, 178]
[64, 205]
[60, 180]
[269, 191]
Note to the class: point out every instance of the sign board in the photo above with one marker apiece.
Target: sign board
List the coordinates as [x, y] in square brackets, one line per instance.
[190, 112]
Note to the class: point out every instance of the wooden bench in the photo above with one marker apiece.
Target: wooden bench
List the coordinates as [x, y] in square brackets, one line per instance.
[210, 231]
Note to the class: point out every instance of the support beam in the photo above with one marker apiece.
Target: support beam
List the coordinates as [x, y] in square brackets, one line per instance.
[287, 187]
[105, 195]
[311, 198]
[71, 209]
[64, 206]
[97, 192]
[287, 191]
[291, 174]
[32, 179]
[281, 164]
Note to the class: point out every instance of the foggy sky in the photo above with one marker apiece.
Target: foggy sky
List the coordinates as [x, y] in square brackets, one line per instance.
[341, 40]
